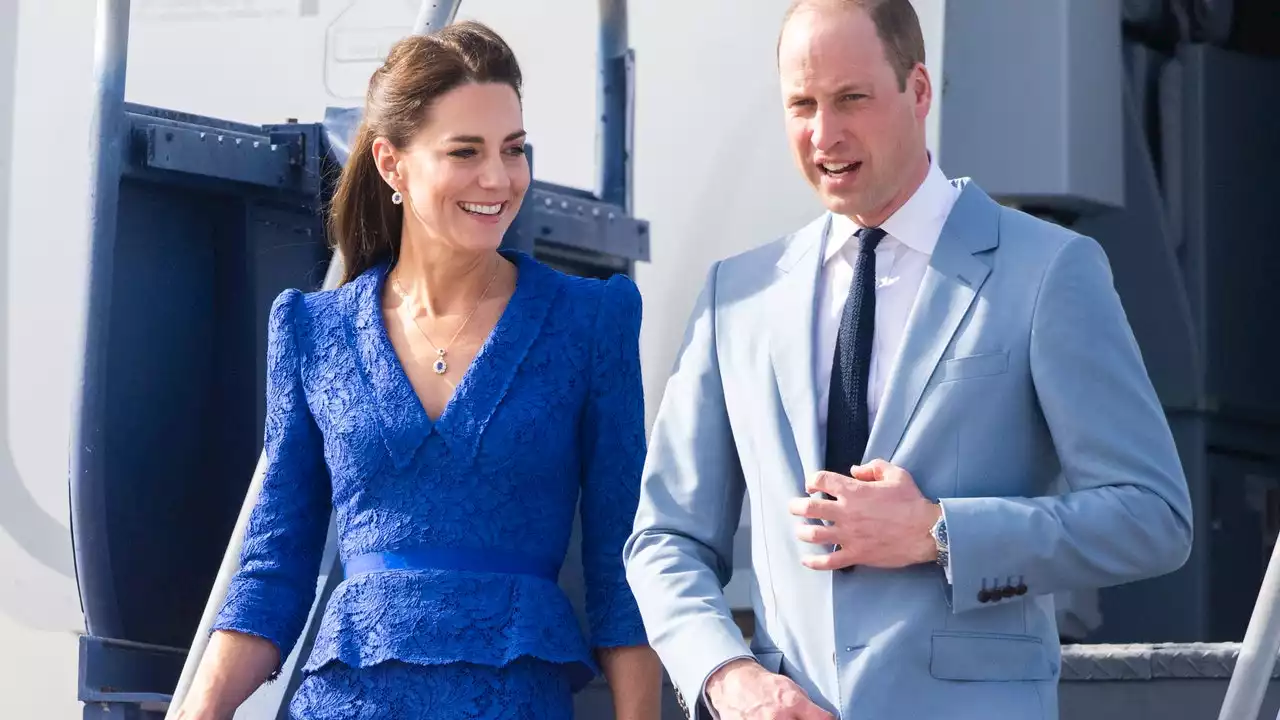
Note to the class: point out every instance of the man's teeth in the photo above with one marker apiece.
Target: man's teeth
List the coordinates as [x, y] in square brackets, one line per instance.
[482, 209]
[836, 167]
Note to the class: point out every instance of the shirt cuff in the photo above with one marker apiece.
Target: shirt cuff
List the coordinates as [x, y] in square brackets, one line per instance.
[946, 567]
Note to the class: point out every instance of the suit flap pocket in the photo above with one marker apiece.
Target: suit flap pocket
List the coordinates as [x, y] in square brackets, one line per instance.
[989, 657]
[971, 366]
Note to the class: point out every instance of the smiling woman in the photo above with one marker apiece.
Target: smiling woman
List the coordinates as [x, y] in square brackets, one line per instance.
[442, 126]
[452, 404]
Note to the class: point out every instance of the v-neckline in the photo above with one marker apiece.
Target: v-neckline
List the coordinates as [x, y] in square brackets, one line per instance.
[405, 425]
[468, 375]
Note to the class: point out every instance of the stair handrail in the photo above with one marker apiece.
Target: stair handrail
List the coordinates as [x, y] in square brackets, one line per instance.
[1254, 665]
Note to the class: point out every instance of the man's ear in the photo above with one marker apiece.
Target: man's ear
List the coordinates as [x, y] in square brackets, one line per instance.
[921, 86]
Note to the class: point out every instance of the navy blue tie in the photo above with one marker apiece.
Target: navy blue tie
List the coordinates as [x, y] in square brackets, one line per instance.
[848, 425]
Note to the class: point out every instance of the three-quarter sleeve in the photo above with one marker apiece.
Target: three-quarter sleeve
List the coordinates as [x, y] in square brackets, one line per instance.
[613, 445]
[273, 591]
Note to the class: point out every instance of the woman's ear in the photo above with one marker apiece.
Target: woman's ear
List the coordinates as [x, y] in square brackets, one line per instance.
[387, 158]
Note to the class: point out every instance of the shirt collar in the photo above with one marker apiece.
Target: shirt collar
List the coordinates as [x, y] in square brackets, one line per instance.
[917, 224]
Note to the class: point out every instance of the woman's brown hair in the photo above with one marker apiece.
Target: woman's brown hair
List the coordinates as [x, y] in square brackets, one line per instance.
[363, 222]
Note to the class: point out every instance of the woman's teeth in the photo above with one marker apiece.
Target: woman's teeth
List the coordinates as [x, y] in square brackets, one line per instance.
[482, 209]
[836, 168]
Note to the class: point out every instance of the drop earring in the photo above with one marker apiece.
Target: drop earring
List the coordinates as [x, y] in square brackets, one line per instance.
[396, 198]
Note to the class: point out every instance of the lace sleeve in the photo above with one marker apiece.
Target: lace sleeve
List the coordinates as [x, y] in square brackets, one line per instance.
[275, 587]
[613, 441]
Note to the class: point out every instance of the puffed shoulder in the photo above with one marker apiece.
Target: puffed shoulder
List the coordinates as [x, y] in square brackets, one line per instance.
[292, 309]
[284, 307]
[621, 306]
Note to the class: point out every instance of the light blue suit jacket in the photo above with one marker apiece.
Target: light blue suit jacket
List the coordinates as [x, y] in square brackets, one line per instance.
[1018, 366]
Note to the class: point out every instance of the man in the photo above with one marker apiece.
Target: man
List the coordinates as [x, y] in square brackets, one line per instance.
[896, 386]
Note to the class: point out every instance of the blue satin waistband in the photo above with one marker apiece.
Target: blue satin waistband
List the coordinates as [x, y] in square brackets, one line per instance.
[440, 558]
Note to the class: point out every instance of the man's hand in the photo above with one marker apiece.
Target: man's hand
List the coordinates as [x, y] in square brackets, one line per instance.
[744, 690]
[878, 518]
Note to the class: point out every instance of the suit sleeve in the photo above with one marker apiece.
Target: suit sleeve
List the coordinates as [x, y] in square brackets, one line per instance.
[613, 445]
[272, 593]
[680, 554]
[1127, 513]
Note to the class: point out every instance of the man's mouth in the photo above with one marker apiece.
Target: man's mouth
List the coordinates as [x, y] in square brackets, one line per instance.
[487, 210]
[835, 169]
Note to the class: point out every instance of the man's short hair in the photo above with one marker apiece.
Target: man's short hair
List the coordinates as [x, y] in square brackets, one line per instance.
[896, 23]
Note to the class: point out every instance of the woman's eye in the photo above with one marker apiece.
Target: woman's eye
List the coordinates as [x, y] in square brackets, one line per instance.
[464, 153]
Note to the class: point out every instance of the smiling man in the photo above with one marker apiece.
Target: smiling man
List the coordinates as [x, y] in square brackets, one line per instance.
[896, 387]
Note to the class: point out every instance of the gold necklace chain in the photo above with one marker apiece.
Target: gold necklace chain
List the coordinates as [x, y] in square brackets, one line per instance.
[440, 366]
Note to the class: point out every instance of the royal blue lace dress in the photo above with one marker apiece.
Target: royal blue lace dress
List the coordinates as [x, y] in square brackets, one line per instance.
[452, 532]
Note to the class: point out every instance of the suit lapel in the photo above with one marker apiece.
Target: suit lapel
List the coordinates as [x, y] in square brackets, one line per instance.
[955, 276]
[792, 338]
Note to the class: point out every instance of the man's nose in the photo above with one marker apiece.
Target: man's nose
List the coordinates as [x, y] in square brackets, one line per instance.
[823, 132]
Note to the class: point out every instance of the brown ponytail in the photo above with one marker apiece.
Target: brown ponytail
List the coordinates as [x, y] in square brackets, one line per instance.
[363, 222]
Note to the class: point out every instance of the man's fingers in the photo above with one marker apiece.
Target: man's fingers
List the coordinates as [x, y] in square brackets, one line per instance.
[841, 558]
[828, 482]
[871, 471]
[816, 534]
[812, 507]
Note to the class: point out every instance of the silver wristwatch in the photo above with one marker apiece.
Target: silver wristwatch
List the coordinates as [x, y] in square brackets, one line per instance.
[939, 534]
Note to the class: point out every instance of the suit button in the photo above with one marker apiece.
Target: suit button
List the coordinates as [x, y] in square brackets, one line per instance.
[1021, 589]
[1008, 591]
[984, 595]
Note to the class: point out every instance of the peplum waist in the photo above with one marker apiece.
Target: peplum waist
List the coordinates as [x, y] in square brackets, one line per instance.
[440, 616]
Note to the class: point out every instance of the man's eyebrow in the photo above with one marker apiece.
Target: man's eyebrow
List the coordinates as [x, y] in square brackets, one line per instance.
[851, 88]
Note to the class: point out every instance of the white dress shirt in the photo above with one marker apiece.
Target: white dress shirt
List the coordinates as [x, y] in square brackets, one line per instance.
[902, 257]
[901, 260]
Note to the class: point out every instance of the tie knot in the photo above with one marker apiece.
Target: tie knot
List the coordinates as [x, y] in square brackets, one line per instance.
[869, 238]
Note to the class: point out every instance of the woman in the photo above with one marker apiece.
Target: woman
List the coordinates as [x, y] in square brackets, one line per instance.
[450, 401]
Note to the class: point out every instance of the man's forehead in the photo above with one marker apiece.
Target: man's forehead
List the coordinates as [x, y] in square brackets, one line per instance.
[827, 55]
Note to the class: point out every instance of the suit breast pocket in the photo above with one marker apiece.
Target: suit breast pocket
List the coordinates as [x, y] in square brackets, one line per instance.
[973, 366]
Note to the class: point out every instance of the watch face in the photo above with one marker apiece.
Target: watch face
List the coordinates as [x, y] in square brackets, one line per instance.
[940, 532]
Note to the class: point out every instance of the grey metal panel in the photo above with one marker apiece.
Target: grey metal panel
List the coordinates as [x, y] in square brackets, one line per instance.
[1147, 273]
[1031, 101]
[1219, 111]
